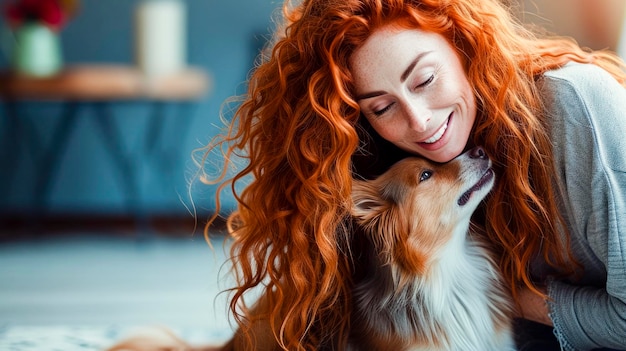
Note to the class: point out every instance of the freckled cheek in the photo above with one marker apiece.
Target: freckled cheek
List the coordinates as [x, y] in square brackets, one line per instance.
[392, 130]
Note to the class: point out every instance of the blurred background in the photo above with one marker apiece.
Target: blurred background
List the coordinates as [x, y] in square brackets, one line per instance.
[114, 242]
[105, 230]
[221, 38]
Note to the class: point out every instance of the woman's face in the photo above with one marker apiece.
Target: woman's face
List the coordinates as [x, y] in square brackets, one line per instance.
[411, 87]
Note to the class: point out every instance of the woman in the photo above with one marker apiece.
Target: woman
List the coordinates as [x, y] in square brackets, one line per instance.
[351, 86]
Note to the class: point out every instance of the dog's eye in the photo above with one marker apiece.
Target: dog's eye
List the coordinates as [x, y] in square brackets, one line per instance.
[425, 175]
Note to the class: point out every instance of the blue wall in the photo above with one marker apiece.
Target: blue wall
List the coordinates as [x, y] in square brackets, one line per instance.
[223, 37]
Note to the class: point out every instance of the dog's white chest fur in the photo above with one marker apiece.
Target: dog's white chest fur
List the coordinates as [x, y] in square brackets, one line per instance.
[463, 295]
[458, 306]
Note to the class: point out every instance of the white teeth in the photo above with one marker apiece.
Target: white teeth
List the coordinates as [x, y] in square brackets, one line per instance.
[437, 135]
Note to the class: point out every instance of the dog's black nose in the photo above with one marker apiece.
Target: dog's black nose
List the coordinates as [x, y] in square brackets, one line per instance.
[478, 152]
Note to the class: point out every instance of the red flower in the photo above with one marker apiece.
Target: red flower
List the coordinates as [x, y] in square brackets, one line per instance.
[53, 13]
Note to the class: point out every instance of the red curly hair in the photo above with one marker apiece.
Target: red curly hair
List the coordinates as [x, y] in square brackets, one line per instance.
[297, 130]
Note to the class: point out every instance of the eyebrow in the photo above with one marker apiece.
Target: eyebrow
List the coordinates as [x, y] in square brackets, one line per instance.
[411, 66]
[403, 77]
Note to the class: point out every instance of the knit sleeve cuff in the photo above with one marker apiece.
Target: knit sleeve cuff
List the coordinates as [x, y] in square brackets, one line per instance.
[560, 302]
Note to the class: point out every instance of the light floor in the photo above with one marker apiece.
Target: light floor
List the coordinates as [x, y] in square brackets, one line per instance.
[90, 284]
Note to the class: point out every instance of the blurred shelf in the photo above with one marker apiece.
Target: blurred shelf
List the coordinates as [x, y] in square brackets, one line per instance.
[106, 82]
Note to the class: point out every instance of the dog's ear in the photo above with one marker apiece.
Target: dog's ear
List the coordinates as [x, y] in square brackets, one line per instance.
[367, 203]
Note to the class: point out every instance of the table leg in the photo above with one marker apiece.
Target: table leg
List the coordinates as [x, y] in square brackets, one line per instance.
[169, 157]
[10, 149]
[125, 164]
[46, 158]
[155, 128]
[49, 158]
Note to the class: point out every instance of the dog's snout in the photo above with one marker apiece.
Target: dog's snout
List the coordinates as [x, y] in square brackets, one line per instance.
[478, 152]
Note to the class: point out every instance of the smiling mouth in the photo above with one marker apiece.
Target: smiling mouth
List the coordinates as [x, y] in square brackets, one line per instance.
[488, 176]
[437, 136]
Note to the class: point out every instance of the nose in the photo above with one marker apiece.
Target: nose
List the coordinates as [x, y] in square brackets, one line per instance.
[478, 152]
[417, 115]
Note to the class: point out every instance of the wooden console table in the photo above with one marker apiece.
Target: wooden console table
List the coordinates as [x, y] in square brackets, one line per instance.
[95, 86]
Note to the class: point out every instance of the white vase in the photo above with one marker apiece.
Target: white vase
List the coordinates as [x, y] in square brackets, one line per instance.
[36, 50]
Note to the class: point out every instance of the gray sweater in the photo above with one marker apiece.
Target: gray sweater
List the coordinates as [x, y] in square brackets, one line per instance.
[587, 111]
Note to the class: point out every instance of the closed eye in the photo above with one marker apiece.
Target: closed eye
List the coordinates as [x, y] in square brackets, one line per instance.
[421, 85]
[382, 111]
[425, 175]
[426, 82]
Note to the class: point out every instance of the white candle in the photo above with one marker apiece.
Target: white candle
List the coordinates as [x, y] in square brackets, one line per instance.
[160, 42]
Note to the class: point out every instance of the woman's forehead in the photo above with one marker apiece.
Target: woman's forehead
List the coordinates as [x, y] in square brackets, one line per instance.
[394, 47]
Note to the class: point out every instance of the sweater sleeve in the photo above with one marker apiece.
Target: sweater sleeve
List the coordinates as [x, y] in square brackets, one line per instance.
[587, 112]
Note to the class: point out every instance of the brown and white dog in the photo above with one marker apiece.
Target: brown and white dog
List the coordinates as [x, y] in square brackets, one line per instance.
[430, 284]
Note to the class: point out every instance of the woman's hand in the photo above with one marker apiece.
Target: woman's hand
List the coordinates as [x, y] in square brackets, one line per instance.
[534, 307]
